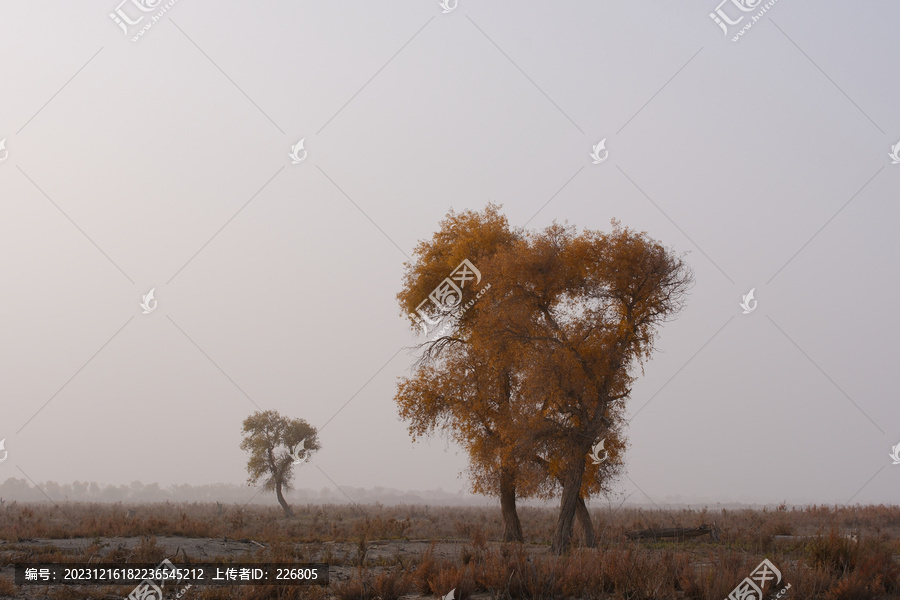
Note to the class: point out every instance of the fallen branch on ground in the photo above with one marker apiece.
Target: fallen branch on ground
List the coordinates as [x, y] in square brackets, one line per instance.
[679, 533]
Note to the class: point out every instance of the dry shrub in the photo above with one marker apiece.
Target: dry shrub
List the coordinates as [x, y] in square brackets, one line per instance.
[7, 587]
[456, 578]
[721, 573]
[427, 570]
[390, 585]
[284, 552]
[355, 588]
[856, 587]
[513, 573]
[676, 568]
[479, 546]
[689, 583]
[640, 575]
[502, 573]
[116, 556]
[147, 551]
[836, 554]
[387, 585]
[44, 554]
[621, 569]
[778, 524]
[583, 576]
[875, 561]
[472, 530]
[808, 582]
[377, 527]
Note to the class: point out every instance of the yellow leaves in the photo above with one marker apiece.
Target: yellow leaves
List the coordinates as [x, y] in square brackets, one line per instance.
[469, 236]
[541, 366]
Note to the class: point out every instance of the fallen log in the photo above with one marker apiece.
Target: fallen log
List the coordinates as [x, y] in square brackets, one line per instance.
[678, 533]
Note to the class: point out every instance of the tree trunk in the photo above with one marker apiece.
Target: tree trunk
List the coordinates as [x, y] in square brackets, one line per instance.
[584, 518]
[512, 528]
[287, 509]
[568, 505]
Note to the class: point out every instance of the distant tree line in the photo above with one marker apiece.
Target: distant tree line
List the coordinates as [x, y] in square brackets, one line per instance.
[21, 490]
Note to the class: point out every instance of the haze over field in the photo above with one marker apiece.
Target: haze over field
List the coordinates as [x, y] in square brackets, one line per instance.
[164, 164]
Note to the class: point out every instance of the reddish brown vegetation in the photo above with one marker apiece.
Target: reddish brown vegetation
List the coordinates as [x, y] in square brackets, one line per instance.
[379, 552]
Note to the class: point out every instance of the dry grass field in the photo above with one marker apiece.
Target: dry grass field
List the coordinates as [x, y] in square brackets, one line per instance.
[391, 552]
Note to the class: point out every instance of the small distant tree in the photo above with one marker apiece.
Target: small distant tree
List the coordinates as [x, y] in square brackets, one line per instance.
[276, 444]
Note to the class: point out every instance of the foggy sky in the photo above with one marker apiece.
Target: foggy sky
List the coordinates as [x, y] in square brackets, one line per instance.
[164, 164]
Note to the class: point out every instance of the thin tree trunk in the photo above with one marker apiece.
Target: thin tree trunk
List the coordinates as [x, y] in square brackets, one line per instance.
[584, 518]
[287, 509]
[512, 527]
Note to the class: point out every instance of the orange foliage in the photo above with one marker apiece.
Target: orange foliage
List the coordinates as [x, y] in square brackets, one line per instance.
[539, 370]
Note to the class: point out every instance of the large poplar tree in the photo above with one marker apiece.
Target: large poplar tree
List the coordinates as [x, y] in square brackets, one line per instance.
[538, 371]
[583, 310]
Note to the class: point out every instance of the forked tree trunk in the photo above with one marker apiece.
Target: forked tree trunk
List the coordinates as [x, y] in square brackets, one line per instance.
[512, 528]
[287, 509]
[568, 506]
[584, 518]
